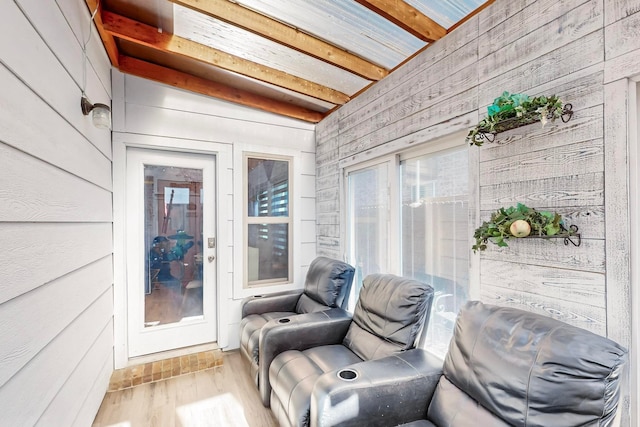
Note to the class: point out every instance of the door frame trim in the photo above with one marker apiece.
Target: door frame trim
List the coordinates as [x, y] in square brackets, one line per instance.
[634, 216]
[189, 331]
[224, 215]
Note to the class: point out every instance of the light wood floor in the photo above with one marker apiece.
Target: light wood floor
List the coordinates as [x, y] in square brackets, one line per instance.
[223, 396]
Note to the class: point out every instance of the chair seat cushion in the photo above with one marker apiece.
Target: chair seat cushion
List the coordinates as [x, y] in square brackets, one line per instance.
[293, 373]
[450, 405]
[418, 423]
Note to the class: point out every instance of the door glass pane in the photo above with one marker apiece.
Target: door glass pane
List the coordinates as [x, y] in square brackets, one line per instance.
[173, 244]
[368, 204]
[435, 235]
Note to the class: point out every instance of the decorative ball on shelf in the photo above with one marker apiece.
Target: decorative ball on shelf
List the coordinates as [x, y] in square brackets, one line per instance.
[522, 221]
[520, 228]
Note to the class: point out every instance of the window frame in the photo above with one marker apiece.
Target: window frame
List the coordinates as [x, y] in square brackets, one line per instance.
[392, 163]
[269, 220]
[393, 154]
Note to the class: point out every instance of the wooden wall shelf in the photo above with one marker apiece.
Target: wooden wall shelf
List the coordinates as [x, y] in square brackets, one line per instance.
[570, 236]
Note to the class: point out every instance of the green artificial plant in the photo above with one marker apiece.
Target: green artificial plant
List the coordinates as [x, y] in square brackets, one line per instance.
[510, 111]
[498, 228]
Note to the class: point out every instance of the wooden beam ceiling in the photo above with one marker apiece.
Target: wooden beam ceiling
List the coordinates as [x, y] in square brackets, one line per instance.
[180, 62]
[146, 35]
[473, 13]
[107, 39]
[406, 17]
[195, 84]
[247, 19]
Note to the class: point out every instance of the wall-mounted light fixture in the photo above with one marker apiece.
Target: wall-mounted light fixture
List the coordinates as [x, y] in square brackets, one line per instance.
[100, 113]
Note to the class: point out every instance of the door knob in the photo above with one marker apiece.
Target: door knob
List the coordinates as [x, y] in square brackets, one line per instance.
[211, 258]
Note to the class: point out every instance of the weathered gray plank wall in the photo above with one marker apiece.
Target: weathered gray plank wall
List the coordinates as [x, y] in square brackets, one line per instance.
[583, 50]
[578, 49]
[56, 299]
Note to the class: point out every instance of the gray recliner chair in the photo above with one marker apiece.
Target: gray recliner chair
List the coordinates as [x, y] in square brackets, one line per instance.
[327, 285]
[505, 367]
[389, 315]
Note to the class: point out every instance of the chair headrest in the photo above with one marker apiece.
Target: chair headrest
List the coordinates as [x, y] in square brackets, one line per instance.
[529, 369]
[393, 308]
[329, 281]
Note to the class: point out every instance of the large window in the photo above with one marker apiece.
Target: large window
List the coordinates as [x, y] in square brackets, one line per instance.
[434, 245]
[408, 215]
[368, 210]
[268, 221]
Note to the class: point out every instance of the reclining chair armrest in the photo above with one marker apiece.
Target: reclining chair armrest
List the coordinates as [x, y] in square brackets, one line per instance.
[389, 391]
[301, 332]
[281, 301]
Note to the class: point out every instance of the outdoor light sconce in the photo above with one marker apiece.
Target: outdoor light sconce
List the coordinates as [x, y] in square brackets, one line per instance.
[100, 113]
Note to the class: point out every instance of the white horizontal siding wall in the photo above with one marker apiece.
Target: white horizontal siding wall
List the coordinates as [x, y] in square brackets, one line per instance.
[583, 50]
[149, 114]
[56, 299]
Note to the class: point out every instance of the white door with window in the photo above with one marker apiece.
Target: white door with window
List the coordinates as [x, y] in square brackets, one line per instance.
[170, 250]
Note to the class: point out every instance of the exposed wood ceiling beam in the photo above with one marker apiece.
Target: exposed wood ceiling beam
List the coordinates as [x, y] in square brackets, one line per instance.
[249, 20]
[473, 13]
[189, 82]
[407, 17]
[107, 39]
[146, 35]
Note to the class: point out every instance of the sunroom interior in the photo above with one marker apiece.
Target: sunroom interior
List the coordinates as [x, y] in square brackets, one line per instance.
[247, 138]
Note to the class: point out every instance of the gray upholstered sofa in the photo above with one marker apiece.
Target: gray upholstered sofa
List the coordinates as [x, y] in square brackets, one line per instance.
[327, 285]
[389, 316]
[504, 367]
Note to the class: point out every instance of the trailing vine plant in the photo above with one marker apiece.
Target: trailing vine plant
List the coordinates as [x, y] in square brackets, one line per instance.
[510, 111]
[519, 221]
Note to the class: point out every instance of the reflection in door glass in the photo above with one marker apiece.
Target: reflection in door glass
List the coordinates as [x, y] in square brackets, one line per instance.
[173, 244]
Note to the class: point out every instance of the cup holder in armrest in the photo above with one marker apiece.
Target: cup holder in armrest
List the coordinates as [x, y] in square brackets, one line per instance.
[347, 374]
[285, 320]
